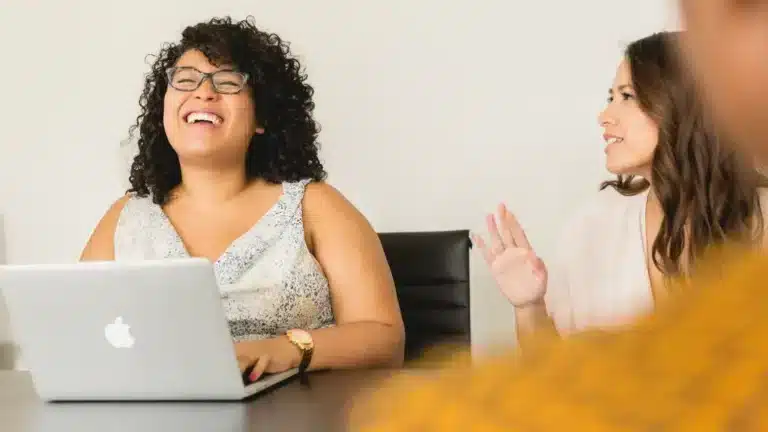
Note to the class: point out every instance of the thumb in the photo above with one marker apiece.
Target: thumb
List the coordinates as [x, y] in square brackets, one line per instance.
[539, 269]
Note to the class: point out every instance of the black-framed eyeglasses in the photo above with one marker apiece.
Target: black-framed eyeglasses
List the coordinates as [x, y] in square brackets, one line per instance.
[190, 79]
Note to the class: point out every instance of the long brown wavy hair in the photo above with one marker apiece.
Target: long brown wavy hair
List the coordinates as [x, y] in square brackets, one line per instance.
[708, 192]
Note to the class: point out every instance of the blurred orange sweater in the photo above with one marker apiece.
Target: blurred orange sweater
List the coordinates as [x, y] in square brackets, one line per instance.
[700, 363]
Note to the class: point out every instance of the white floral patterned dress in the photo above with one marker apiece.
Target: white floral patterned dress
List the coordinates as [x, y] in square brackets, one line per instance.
[269, 280]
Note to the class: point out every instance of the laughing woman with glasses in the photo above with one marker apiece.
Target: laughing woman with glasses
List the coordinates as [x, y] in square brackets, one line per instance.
[228, 170]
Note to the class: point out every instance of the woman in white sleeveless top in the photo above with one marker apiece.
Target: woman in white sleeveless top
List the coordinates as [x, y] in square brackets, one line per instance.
[678, 190]
[228, 169]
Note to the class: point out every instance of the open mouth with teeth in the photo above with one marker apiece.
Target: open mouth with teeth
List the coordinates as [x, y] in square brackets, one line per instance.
[614, 140]
[203, 118]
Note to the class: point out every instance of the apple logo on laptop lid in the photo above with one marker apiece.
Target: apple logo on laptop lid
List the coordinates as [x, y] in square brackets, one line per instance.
[118, 334]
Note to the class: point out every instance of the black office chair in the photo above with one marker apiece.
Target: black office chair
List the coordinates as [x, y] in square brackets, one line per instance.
[431, 273]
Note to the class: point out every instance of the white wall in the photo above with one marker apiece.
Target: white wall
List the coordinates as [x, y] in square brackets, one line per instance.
[5, 334]
[432, 110]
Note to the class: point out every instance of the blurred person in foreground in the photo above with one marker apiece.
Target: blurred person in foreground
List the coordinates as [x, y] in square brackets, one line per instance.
[694, 365]
[727, 45]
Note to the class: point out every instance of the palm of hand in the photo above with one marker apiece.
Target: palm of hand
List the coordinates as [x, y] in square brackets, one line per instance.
[519, 273]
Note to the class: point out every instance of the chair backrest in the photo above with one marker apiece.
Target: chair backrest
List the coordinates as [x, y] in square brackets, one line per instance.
[431, 273]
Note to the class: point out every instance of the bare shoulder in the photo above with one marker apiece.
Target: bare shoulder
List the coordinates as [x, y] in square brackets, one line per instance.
[319, 191]
[101, 244]
[329, 214]
[323, 200]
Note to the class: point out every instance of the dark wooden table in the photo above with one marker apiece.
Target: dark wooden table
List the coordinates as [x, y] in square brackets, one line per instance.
[322, 406]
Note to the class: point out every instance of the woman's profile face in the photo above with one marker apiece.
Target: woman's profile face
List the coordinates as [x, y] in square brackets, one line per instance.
[203, 123]
[631, 136]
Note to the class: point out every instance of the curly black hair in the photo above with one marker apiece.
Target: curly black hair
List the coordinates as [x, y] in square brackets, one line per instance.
[288, 148]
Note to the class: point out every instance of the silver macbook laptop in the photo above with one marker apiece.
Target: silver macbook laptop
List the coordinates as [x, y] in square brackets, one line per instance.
[146, 330]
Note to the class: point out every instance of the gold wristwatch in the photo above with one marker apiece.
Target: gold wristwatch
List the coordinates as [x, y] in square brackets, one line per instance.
[303, 341]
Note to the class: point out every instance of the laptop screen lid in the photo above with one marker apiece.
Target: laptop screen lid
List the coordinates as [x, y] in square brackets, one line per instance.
[148, 330]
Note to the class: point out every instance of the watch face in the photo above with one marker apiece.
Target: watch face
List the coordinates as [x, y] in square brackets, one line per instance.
[300, 336]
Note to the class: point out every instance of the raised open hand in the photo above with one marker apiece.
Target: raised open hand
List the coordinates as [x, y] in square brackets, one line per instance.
[519, 273]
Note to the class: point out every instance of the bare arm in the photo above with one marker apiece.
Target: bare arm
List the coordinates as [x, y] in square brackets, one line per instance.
[533, 321]
[538, 318]
[369, 329]
[520, 274]
[101, 244]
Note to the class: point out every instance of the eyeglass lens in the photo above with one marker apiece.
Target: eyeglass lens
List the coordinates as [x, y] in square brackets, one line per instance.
[189, 79]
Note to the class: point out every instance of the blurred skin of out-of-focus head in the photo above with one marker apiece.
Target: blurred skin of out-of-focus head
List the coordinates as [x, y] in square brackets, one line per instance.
[726, 43]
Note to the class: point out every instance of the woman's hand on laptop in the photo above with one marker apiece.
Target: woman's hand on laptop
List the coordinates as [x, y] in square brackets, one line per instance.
[272, 355]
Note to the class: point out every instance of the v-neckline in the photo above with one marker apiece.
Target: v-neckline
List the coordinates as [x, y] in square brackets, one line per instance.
[183, 248]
